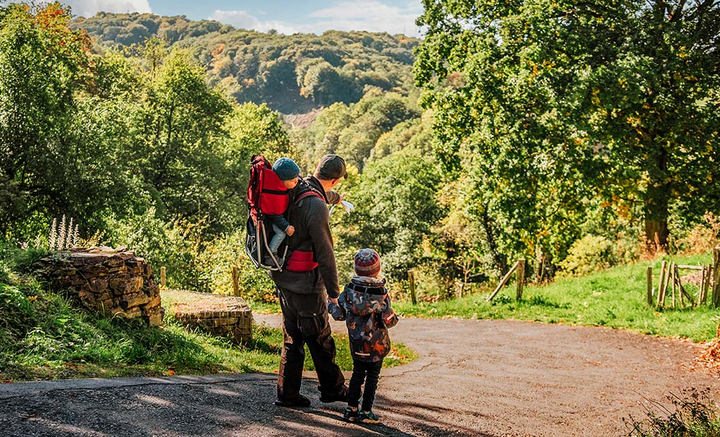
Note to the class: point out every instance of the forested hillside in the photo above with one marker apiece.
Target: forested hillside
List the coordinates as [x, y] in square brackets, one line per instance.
[291, 74]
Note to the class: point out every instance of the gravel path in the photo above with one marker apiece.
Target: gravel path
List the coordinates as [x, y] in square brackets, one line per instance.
[473, 377]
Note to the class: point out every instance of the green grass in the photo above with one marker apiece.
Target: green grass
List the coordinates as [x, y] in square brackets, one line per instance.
[615, 298]
[42, 336]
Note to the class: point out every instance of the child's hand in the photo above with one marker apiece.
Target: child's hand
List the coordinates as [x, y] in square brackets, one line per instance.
[290, 230]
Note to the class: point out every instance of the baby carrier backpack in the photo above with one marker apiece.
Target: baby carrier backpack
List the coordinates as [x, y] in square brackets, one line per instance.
[266, 196]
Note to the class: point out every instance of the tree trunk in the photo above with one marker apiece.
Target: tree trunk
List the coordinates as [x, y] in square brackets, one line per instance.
[499, 259]
[657, 202]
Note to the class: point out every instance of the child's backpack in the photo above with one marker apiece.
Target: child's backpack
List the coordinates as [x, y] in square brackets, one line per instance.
[266, 196]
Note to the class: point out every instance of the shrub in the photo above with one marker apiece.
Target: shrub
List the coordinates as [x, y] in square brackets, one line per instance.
[694, 415]
[174, 245]
[702, 237]
[215, 265]
[587, 255]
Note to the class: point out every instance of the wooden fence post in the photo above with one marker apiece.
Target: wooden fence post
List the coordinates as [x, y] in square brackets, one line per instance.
[163, 278]
[701, 296]
[504, 280]
[236, 281]
[649, 286]
[411, 279]
[661, 291]
[716, 277]
[707, 271]
[673, 272]
[520, 278]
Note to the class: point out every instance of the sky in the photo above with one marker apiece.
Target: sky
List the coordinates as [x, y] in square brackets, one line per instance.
[285, 16]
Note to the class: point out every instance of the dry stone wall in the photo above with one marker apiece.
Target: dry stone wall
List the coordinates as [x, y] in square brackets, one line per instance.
[109, 281]
[233, 320]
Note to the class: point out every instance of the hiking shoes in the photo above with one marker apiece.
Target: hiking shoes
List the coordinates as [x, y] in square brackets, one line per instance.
[341, 396]
[301, 401]
[368, 417]
[350, 415]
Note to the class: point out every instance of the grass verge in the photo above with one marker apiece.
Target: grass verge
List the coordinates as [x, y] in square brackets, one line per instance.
[42, 336]
[615, 298]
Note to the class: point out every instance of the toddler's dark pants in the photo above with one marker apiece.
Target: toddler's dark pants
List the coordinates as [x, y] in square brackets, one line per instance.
[366, 372]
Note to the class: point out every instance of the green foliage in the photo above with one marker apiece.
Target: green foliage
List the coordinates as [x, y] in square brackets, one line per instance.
[352, 131]
[612, 101]
[43, 337]
[694, 414]
[587, 255]
[182, 123]
[174, 245]
[615, 298]
[215, 264]
[395, 209]
[42, 67]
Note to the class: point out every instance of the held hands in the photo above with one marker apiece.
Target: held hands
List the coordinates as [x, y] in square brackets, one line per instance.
[333, 300]
[290, 230]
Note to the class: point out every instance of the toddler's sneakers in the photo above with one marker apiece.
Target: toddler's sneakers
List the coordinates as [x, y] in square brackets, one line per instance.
[368, 417]
[350, 415]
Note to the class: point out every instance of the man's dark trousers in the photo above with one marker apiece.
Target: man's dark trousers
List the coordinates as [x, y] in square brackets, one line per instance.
[305, 320]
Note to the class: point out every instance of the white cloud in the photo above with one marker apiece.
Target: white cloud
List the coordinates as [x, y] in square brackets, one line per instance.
[368, 15]
[243, 20]
[88, 8]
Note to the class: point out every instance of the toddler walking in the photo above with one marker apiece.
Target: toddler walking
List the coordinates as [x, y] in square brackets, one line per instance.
[365, 306]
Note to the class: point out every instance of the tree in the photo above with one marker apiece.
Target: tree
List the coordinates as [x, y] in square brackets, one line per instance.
[43, 64]
[253, 130]
[396, 208]
[182, 126]
[616, 99]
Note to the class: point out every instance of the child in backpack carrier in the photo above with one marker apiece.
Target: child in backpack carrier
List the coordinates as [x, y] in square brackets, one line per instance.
[365, 306]
[288, 172]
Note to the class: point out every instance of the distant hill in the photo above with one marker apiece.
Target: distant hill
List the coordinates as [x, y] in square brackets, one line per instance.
[292, 74]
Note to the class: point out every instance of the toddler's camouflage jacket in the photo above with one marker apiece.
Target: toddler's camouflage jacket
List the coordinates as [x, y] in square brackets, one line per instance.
[364, 304]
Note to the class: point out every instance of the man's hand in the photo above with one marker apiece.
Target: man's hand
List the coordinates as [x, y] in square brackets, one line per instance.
[333, 300]
[290, 230]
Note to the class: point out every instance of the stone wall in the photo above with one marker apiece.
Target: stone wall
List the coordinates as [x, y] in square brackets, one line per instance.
[109, 281]
[234, 320]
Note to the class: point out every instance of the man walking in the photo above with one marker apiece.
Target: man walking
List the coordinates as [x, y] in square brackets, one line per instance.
[309, 274]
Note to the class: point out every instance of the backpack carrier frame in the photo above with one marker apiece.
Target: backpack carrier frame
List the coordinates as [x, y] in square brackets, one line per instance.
[266, 196]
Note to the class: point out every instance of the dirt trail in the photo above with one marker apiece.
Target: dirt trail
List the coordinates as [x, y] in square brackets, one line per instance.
[495, 378]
